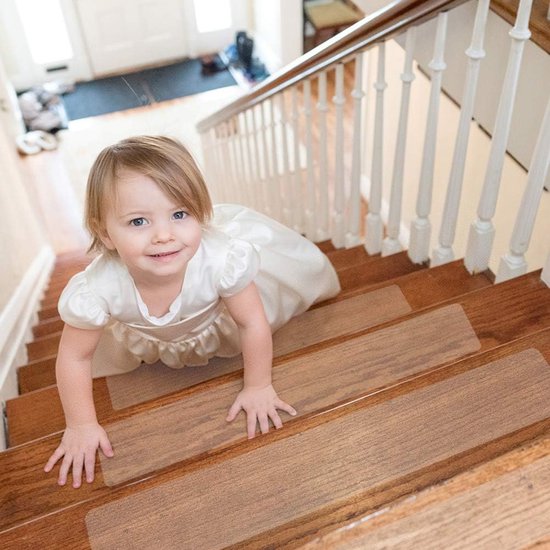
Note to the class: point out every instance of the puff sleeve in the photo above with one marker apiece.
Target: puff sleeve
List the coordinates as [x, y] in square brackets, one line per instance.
[241, 267]
[79, 307]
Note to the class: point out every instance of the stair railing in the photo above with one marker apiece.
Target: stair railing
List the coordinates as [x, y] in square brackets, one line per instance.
[298, 178]
[482, 232]
[513, 263]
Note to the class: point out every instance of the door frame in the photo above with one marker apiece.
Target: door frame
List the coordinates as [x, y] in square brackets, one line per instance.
[23, 71]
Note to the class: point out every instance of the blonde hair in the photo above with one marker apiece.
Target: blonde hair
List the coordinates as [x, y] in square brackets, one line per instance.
[165, 160]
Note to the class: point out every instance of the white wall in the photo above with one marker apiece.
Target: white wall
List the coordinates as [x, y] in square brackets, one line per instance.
[533, 88]
[277, 27]
[26, 260]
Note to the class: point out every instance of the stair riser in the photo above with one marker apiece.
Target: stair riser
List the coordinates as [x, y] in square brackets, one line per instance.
[48, 328]
[44, 347]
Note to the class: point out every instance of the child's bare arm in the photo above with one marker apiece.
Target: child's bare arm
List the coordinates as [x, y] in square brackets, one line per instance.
[258, 397]
[83, 434]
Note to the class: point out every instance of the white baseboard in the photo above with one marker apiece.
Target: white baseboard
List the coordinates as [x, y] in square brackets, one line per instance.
[404, 230]
[16, 321]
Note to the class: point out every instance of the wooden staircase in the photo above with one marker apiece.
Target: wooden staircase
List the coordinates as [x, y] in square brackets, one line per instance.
[423, 402]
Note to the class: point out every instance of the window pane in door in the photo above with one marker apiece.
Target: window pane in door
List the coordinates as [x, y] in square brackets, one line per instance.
[212, 15]
[45, 30]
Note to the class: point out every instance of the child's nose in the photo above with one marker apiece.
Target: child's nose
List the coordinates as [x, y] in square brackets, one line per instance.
[162, 233]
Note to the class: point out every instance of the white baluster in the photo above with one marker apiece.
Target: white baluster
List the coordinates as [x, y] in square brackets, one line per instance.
[297, 196]
[480, 239]
[219, 183]
[391, 243]
[228, 188]
[244, 172]
[545, 276]
[254, 180]
[261, 205]
[444, 252]
[339, 100]
[513, 263]
[287, 183]
[236, 162]
[374, 226]
[352, 237]
[208, 148]
[277, 211]
[311, 202]
[419, 245]
[267, 182]
[323, 211]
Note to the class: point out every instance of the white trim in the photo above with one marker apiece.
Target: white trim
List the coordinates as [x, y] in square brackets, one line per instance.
[404, 231]
[17, 316]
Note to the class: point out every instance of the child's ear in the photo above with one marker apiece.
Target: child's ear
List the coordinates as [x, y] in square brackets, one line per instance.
[103, 235]
[106, 240]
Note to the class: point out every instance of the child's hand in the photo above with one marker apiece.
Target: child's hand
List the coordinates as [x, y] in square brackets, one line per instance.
[78, 447]
[259, 404]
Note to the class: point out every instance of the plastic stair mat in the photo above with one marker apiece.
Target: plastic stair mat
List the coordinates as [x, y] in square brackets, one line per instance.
[333, 463]
[314, 326]
[196, 424]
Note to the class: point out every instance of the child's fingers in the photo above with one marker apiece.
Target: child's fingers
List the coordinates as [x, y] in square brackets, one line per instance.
[285, 407]
[89, 466]
[233, 411]
[78, 462]
[251, 425]
[264, 422]
[58, 453]
[64, 469]
[276, 419]
[106, 447]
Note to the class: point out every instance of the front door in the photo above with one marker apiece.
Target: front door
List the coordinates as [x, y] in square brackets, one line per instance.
[125, 34]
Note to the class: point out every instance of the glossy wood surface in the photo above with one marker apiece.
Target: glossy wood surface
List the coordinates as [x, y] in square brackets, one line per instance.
[500, 504]
[486, 311]
[424, 414]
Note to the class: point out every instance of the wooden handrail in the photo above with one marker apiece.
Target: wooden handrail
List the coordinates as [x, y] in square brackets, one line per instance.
[393, 19]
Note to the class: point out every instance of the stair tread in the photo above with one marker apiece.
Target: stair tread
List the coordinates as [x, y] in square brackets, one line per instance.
[357, 439]
[529, 313]
[467, 509]
[26, 416]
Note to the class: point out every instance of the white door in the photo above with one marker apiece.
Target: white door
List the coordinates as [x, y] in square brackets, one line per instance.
[212, 24]
[41, 42]
[124, 34]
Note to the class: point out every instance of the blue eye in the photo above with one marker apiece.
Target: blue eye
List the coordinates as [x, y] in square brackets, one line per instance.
[138, 222]
[179, 215]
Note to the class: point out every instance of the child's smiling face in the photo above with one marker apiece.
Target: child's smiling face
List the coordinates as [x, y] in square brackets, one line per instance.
[154, 236]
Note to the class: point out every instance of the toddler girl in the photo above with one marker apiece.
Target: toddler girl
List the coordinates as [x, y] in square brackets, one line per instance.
[177, 281]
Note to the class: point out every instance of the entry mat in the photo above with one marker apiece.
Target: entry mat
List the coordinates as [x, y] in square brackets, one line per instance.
[117, 93]
[195, 424]
[332, 463]
[316, 325]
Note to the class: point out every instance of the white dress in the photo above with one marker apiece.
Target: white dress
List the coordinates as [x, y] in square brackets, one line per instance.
[239, 246]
